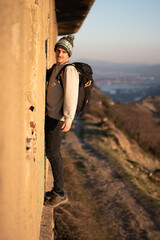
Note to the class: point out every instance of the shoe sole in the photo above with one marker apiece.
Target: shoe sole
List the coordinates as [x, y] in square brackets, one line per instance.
[56, 205]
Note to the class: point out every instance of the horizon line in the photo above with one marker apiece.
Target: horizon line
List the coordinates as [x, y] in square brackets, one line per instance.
[106, 61]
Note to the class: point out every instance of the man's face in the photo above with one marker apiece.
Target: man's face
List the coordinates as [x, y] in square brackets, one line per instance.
[61, 56]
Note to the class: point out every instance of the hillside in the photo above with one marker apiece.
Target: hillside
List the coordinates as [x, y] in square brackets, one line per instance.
[112, 183]
[139, 121]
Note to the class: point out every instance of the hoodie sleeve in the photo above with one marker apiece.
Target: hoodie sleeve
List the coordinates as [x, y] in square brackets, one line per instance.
[71, 89]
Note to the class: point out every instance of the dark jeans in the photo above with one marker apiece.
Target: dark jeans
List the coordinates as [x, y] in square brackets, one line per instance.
[53, 143]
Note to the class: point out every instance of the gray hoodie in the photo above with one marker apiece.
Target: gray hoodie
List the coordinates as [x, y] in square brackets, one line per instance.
[65, 98]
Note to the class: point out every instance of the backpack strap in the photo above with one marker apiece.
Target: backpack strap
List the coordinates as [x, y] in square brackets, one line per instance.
[60, 75]
[49, 72]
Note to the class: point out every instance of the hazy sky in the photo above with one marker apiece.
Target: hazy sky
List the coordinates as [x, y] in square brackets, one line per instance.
[120, 31]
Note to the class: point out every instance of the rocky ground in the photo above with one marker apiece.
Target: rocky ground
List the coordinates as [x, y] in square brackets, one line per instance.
[113, 186]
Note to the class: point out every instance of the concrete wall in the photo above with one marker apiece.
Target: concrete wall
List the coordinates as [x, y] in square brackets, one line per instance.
[26, 26]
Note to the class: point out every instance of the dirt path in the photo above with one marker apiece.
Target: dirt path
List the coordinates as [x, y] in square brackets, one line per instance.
[123, 211]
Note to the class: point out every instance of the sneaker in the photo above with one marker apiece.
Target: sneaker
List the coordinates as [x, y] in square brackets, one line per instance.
[56, 200]
[49, 194]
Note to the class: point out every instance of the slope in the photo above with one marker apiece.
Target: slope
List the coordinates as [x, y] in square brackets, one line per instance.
[111, 182]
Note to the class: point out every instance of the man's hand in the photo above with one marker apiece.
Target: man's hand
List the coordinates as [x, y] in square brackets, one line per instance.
[66, 127]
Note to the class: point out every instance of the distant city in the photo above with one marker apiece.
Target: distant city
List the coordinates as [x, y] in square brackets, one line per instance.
[126, 82]
[127, 88]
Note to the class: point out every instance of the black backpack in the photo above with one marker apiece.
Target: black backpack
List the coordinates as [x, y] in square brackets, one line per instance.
[86, 83]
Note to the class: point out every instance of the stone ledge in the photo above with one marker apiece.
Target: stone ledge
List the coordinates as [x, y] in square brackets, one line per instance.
[47, 221]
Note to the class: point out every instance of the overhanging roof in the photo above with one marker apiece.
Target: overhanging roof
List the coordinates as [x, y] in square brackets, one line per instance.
[71, 14]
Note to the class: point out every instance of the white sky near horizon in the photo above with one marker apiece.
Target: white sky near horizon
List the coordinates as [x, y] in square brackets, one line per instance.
[125, 31]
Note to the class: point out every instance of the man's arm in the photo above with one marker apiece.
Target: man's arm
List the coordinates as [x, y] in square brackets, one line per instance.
[71, 89]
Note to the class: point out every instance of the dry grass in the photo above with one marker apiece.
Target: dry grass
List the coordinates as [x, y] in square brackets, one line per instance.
[111, 181]
[104, 203]
[137, 164]
[120, 128]
[77, 220]
[139, 121]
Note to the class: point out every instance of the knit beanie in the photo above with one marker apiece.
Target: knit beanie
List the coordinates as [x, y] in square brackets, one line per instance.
[66, 43]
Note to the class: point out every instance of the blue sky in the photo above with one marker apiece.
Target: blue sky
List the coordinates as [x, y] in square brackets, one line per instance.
[125, 31]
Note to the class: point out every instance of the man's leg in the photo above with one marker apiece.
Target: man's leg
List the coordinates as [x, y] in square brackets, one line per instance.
[53, 143]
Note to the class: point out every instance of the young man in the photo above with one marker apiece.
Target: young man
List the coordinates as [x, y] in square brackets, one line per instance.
[61, 108]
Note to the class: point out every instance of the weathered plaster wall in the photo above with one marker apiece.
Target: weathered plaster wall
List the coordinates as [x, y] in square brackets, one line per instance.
[26, 27]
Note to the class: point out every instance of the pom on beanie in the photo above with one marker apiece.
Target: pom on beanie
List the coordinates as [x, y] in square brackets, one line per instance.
[70, 38]
[66, 43]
